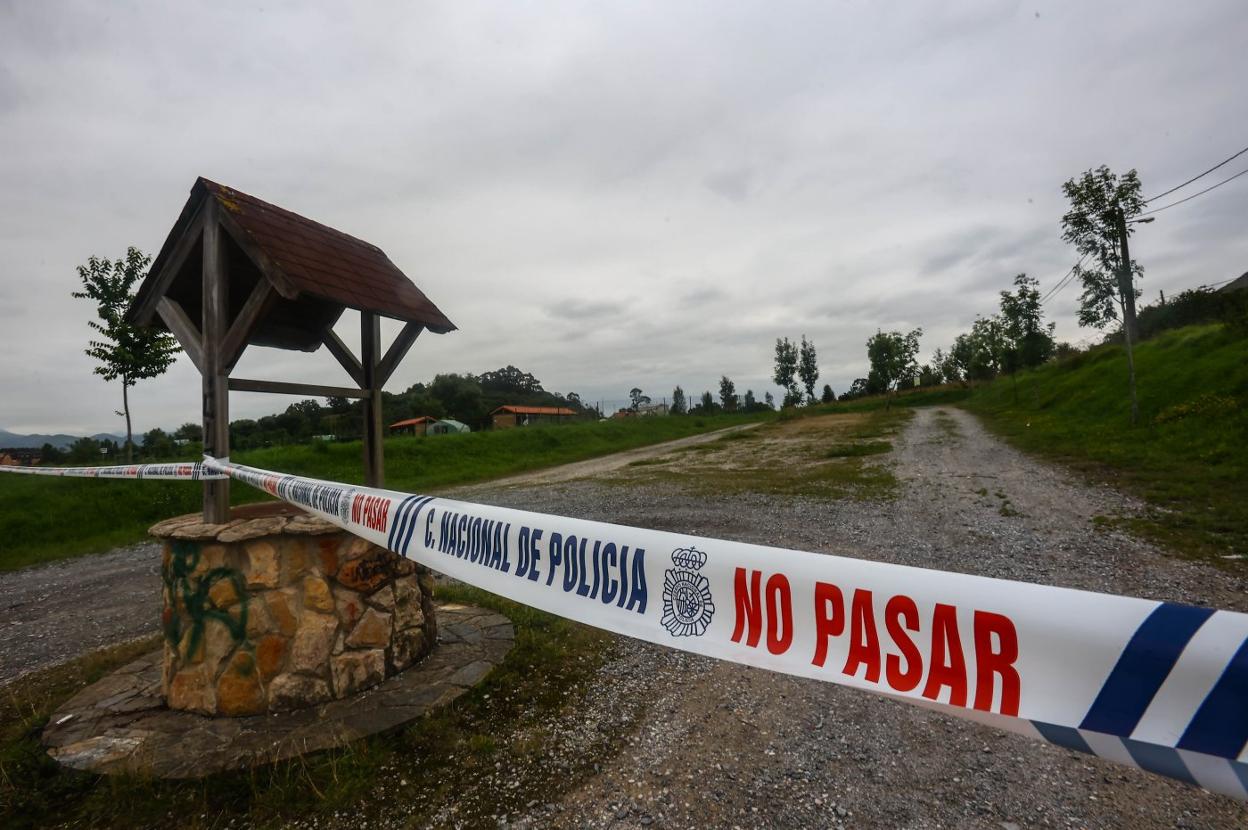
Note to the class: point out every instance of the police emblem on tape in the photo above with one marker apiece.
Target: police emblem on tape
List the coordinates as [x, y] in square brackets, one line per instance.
[687, 605]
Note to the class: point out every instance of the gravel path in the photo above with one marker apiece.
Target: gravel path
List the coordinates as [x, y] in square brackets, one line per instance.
[52, 613]
[727, 746]
[715, 744]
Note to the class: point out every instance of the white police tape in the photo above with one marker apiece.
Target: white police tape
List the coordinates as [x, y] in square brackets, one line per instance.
[181, 471]
[1156, 685]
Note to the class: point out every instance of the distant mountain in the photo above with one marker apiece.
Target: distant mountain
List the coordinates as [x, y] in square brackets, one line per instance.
[17, 441]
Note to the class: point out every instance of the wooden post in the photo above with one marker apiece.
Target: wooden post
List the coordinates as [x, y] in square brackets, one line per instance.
[370, 358]
[213, 372]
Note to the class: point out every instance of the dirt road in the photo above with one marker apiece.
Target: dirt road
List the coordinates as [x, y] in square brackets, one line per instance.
[725, 746]
[714, 744]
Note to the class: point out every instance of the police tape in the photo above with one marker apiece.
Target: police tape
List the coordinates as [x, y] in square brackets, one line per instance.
[181, 471]
[1155, 685]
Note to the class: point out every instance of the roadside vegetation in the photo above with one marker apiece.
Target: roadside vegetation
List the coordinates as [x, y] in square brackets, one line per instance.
[444, 759]
[43, 519]
[809, 452]
[1188, 455]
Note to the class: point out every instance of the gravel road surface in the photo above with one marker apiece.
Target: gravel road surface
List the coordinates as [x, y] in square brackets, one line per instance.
[715, 744]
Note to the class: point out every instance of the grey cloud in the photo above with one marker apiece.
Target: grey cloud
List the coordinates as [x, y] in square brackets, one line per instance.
[737, 172]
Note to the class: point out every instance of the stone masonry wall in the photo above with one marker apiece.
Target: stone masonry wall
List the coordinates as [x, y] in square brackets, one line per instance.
[284, 611]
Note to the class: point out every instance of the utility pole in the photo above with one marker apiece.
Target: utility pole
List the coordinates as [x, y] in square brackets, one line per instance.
[1126, 289]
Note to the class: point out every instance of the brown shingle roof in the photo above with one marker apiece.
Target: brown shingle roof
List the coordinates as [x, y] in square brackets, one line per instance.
[327, 263]
[534, 410]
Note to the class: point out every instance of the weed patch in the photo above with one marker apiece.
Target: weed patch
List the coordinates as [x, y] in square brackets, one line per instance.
[445, 758]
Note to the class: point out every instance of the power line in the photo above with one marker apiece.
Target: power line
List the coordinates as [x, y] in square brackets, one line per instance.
[1063, 282]
[1201, 176]
[1193, 196]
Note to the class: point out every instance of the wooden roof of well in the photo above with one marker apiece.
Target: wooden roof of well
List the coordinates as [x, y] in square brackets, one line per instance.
[303, 258]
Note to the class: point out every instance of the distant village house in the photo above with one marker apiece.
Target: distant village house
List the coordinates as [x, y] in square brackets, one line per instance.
[506, 417]
[20, 457]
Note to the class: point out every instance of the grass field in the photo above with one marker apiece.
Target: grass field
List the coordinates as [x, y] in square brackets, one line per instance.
[43, 519]
[1187, 457]
[809, 453]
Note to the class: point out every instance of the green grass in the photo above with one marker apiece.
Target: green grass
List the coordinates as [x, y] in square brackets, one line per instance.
[43, 519]
[512, 718]
[809, 453]
[1187, 457]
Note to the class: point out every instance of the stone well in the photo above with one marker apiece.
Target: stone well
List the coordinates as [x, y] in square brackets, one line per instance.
[278, 610]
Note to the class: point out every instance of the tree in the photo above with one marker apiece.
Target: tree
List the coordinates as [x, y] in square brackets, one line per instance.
[727, 394]
[156, 444]
[190, 432]
[750, 404]
[828, 395]
[679, 404]
[988, 345]
[708, 403]
[1022, 315]
[808, 368]
[49, 454]
[638, 399]
[129, 353]
[785, 374]
[1098, 224]
[950, 371]
[769, 400]
[892, 357]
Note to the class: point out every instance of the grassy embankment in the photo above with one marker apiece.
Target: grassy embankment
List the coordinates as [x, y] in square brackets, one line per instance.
[442, 760]
[1187, 457]
[42, 519]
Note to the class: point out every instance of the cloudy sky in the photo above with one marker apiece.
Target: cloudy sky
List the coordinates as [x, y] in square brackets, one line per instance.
[607, 195]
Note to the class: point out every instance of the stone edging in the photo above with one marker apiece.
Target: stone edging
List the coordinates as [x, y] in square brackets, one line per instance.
[120, 724]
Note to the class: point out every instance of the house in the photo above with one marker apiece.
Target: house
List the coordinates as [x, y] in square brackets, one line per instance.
[447, 426]
[20, 457]
[413, 426]
[652, 409]
[508, 416]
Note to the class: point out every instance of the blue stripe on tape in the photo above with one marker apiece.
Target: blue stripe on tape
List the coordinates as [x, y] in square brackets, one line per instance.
[406, 541]
[396, 524]
[1143, 667]
[1062, 736]
[1221, 723]
[1159, 759]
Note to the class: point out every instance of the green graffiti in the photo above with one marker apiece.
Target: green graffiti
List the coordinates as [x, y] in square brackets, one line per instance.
[177, 574]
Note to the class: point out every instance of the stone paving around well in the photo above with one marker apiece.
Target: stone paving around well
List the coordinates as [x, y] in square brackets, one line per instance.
[120, 724]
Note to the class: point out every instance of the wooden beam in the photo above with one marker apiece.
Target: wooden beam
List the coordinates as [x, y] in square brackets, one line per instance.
[398, 349]
[258, 302]
[216, 304]
[184, 330]
[256, 254]
[283, 388]
[343, 355]
[370, 357]
[177, 258]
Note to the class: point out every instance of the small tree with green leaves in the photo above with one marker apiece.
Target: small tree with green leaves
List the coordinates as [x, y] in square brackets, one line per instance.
[680, 405]
[828, 395]
[785, 374]
[126, 352]
[1098, 224]
[727, 394]
[893, 357]
[808, 368]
